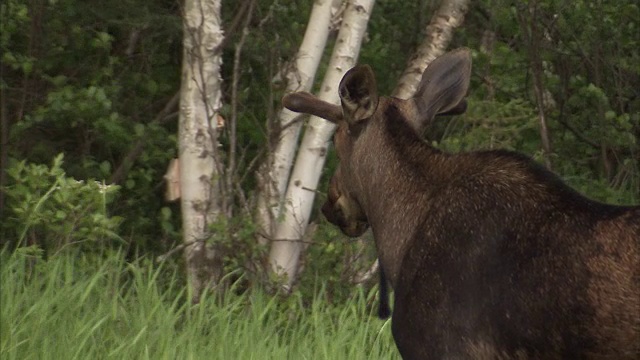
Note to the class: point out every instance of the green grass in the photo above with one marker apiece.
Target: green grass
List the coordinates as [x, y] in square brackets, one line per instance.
[83, 307]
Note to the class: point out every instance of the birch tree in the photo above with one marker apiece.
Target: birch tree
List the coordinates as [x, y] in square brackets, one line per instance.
[300, 76]
[200, 169]
[439, 33]
[286, 248]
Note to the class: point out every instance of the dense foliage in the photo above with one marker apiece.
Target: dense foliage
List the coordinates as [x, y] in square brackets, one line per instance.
[92, 80]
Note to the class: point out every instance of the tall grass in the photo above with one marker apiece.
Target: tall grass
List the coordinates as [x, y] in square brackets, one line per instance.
[83, 307]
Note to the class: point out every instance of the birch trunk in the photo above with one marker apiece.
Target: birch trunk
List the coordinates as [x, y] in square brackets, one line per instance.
[300, 77]
[439, 33]
[199, 158]
[286, 248]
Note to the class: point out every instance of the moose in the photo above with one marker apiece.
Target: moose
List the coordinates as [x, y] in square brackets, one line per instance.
[490, 255]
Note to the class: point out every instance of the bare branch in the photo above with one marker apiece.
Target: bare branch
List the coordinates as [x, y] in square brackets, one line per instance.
[122, 170]
[233, 124]
[362, 277]
[176, 249]
[532, 35]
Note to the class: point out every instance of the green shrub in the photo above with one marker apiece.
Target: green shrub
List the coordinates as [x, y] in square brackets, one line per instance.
[49, 209]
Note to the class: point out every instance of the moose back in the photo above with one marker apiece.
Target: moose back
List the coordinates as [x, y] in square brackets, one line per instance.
[489, 254]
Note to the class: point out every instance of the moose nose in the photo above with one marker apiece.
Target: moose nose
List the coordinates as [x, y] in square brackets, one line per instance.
[354, 228]
[349, 226]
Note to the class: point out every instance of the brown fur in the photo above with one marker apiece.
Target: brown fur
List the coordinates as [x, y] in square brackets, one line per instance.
[490, 255]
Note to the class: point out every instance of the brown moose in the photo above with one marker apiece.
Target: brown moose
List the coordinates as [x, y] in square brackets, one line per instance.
[490, 255]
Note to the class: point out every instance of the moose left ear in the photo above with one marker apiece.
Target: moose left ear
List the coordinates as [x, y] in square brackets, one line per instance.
[358, 94]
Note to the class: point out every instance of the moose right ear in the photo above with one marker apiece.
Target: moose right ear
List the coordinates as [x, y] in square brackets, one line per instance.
[444, 86]
[358, 94]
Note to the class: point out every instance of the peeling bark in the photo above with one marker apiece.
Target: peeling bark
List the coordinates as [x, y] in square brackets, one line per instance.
[200, 165]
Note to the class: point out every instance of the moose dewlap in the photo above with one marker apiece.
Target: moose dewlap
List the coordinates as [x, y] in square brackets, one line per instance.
[489, 254]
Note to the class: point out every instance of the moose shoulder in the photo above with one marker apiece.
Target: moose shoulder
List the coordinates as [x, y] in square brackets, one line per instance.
[489, 254]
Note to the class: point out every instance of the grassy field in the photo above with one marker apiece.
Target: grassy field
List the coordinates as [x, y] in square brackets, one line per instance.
[82, 308]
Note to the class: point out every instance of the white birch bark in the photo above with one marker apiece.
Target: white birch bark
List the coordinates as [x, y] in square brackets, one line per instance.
[199, 173]
[439, 33]
[286, 248]
[299, 78]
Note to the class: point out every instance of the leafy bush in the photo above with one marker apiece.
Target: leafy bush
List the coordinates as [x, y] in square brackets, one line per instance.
[51, 210]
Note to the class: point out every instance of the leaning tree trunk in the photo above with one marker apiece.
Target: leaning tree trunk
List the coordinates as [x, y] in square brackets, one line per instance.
[199, 158]
[275, 173]
[286, 248]
[439, 33]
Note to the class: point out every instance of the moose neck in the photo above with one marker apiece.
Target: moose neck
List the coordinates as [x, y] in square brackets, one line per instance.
[393, 185]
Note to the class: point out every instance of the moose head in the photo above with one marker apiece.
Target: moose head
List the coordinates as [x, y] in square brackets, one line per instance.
[489, 254]
[362, 119]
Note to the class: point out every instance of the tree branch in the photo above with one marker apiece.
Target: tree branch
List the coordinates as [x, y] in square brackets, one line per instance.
[169, 253]
[233, 124]
[528, 22]
[235, 23]
[4, 142]
[122, 170]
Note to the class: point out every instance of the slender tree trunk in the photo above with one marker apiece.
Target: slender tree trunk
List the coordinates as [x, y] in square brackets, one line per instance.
[231, 171]
[486, 47]
[200, 165]
[4, 144]
[286, 248]
[528, 18]
[607, 165]
[439, 33]
[274, 174]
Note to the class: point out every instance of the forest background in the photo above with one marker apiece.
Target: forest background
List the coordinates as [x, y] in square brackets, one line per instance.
[89, 113]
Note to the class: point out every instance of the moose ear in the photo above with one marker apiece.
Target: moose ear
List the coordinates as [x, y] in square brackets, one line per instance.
[459, 109]
[303, 102]
[358, 94]
[444, 86]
